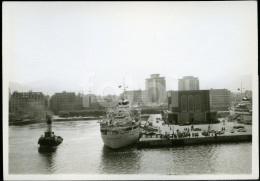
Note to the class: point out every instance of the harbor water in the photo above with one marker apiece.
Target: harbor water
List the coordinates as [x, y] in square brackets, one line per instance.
[83, 152]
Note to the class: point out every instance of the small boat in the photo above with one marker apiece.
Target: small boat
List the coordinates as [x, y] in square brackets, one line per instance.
[49, 139]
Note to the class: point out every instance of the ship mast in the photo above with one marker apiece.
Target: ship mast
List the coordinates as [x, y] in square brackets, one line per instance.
[49, 122]
[124, 89]
[241, 90]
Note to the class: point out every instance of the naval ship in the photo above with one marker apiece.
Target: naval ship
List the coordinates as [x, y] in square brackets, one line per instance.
[121, 125]
[244, 111]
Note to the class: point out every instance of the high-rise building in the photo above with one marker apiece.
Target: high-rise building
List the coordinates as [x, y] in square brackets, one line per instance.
[220, 99]
[66, 101]
[156, 88]
[29, 103]
[188, 83]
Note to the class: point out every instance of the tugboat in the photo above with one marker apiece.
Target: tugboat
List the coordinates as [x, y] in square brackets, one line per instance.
[49, 140]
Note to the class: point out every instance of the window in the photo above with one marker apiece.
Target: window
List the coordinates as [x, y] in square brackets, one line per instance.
[197, 103]
[191, 103]
[183, 103]
[169, 100]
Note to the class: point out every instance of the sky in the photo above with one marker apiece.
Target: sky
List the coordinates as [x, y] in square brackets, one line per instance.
[95, 46]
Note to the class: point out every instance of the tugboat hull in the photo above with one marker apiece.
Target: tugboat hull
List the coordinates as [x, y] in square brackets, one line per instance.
[50, 141]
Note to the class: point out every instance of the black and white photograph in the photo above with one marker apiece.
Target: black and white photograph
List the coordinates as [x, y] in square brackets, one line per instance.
[135, 90]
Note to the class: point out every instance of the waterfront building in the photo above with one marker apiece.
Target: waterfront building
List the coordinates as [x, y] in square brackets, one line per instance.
[103, 104]
[220, 99]
[190, 106]
[88, 99]
[27, 104]
[188, 83]
[66, 101]
[78, 102]
[144, 97]
[156, 88]
[133, 96]
[137, 97]
[47, 101]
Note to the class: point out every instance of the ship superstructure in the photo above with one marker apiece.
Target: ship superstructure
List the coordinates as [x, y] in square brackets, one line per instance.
[243, 111]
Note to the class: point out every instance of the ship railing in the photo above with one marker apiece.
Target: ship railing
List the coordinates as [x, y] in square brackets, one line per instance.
[115, 127]
[117, 131]
[122, 122]
[125, 128]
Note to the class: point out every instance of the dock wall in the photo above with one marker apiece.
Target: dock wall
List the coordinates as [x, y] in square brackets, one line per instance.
[75, 119]
[190, 141]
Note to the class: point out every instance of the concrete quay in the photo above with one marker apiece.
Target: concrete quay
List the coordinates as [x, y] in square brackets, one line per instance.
[56, 118]
[167, 135]
[160, 142]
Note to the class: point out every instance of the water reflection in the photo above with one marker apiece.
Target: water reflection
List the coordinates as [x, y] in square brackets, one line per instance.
[194, 159]
[82, 152]
[47, 156]
[120, 161]
[44, 150]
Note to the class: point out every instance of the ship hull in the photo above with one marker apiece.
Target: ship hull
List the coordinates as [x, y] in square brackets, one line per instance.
[116, 141]
[50, 141]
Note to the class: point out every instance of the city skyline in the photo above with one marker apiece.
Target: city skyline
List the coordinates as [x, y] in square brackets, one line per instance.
[89, 46]
[52, 88]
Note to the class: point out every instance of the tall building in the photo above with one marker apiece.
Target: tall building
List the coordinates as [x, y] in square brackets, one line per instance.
[188, 83]
[190, 106]
[66, 101]
[156, 88]
[220, 99]
[32, 104]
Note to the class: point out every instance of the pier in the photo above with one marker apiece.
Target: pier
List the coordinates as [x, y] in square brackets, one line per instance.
[56, 119]
[176, 135]
[158, 141]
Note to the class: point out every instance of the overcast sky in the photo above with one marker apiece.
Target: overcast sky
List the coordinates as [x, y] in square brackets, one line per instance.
[82, 46]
